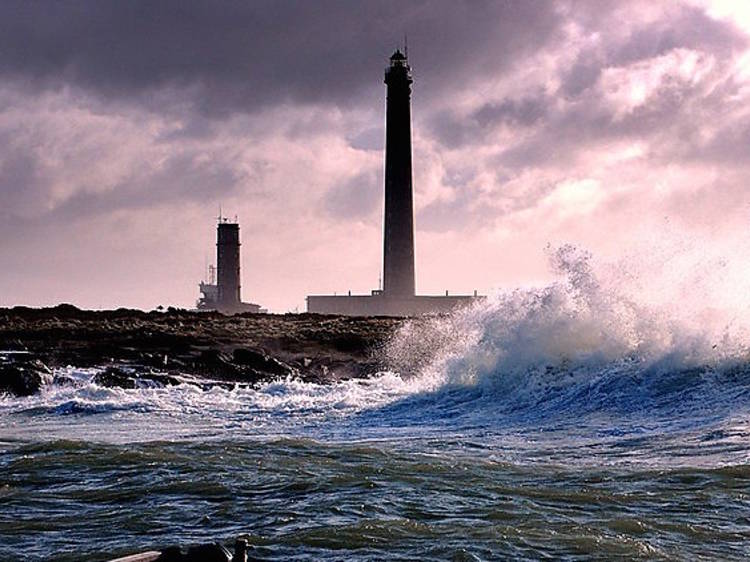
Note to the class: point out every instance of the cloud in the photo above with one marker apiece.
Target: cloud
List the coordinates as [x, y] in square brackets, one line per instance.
[454, 130]
[245, 56]
[355, 198]
[123, 127]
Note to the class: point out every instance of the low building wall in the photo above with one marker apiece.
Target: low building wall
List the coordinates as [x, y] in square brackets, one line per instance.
[380, 305]
[238, 308]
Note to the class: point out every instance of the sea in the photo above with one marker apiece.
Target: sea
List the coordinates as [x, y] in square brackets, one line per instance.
[595, 417]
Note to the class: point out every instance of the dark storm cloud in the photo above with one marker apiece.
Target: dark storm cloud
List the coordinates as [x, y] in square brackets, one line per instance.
[459, 213]
[185, 176]
[729, 146]
[122, 122]
[20, 179]
[355, 198]
[453, 130]
[555, 136]
[469, 209]
[369, 139]
[458, 176]
[581, 76]
[225, 56]
[674, 110]
[526, 111]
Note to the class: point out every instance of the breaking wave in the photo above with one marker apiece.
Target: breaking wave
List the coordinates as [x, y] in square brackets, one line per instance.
[583, 344]
[584, 350]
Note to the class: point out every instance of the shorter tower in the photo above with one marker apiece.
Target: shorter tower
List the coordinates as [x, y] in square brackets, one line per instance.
[221, 292]
[228, 263]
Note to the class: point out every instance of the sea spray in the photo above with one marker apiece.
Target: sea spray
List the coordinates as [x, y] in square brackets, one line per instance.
[577, 322]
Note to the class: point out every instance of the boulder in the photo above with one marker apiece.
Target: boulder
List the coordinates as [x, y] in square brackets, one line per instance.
[260, 362]
[217, 364]
[122, 378]
[115, 377]
[243, 366]
[22, 378]
[201, 553]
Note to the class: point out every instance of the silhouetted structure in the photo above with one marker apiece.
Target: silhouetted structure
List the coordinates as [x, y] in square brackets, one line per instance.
[228, 263]
[397, 297]
[222, 291]
[398, 247]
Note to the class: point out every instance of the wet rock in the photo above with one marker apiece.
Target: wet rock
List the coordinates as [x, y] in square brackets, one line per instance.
[262, 363]
[351, 343]
[22, 378]
[313, 347]
[218, 364]
[157, 380]
[201, 553]
[117, 377]
[63, 380]
[243, 366]
[240, 551]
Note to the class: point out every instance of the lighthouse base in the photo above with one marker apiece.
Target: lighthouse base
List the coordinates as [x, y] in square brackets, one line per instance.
[379, 304]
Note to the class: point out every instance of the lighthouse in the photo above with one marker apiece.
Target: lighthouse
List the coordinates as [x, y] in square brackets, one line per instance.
[398, 295]
[228, 263]
[398, 250]
[221, 291]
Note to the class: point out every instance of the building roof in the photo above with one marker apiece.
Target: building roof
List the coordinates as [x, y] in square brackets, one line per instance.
[398, 55]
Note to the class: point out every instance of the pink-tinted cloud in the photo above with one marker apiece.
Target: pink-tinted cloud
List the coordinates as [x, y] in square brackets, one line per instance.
[124, 127]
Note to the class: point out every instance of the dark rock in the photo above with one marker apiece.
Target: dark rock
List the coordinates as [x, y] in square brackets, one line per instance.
[240, 551]
[244, 366]
[201, 553]
[158, 379]
[172, 554]
[22, 378]
[351, 343]
[262, 363]
[63, 380]
[313, 347]
[115, 377]
[218, 364]
[122, 378]
[66, 310]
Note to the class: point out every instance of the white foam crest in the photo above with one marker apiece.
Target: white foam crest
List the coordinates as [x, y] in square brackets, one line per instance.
[289, 398]
[592, 317]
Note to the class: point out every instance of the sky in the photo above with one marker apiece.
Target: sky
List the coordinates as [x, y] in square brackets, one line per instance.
[621, 128]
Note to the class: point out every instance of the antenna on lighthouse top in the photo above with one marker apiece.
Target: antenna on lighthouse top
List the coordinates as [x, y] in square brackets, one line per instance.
[406, 46]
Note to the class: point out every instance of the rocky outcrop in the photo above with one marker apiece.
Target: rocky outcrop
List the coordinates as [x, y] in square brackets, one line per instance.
[22, 376]
[134, 378]
[260, 363]
[162, 348]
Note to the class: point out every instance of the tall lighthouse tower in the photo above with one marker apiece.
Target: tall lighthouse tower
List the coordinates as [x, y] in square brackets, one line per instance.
[398, 296]
[398, 252]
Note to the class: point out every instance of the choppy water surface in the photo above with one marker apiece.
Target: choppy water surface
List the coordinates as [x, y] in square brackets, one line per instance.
[563, 423]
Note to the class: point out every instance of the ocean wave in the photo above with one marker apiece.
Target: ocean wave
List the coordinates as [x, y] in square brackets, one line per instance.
[582, 344]
[577, 348]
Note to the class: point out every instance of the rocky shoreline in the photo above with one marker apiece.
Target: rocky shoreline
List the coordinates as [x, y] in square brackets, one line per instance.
[136, 348]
